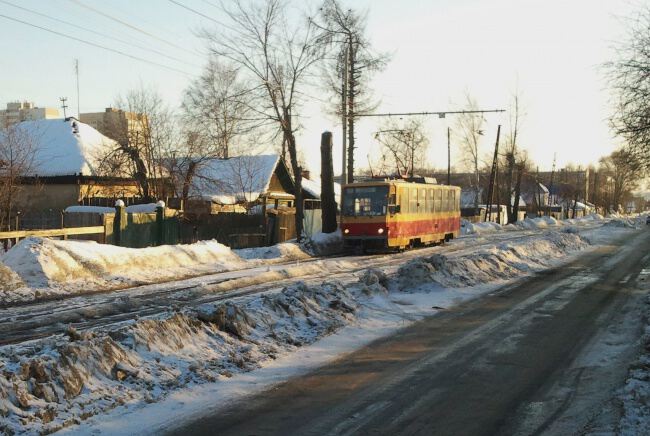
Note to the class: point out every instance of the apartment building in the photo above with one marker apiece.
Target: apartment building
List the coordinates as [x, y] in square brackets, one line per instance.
[25, 111]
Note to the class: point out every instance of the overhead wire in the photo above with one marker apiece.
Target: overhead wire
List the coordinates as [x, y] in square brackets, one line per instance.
[103, 35]
[130, 26]
[201, 14]
[74, 38]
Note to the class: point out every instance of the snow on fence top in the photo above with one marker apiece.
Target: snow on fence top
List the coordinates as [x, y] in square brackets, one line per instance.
[65, 147]
[134, 208]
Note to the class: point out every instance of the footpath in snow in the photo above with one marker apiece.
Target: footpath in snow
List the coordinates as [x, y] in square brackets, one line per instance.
[200, 354]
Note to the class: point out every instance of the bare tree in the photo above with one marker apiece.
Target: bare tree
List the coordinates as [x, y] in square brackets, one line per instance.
[470, 128]
[18, 149]
[623, 174]
[277, 58]
[404, 144]
[629, 76]
[512, 155]
[145, 134]
[349, 71]
[217, 105]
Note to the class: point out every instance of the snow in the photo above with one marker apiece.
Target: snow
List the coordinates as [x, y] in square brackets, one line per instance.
[89, 209]
[150, 373]
[230, 181]
[51, 268]
[134, 208]
[313, 187]
[219, 351]
[60, 151]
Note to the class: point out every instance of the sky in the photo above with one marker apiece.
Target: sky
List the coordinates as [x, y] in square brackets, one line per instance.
[551, 51]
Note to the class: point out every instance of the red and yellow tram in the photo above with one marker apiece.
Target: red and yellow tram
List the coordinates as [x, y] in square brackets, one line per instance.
[399, 214]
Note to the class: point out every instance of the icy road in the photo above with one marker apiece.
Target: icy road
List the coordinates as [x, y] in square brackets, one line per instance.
[540, 356]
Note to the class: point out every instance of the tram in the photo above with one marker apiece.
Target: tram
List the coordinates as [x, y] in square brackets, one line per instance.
[399, 214]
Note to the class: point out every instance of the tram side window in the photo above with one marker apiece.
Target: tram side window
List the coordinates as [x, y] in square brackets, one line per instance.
[403, 200]
[422, 201]
[430, 200]
[458, 202]
[438, 200]
[413, 200]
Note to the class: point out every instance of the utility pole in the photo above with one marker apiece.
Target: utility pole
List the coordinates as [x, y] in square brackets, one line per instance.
[64, 106]
[344, 118]
[448, 156]
[550, 185]
[76, 70]
[488, 212]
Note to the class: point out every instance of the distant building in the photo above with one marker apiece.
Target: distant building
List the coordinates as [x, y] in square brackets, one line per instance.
[17, 112]
[116, 124]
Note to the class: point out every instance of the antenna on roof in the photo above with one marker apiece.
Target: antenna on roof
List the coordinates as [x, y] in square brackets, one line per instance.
[76, 70]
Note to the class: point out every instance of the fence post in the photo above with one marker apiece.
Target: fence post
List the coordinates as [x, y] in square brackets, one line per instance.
[119, 223]
[160, 223]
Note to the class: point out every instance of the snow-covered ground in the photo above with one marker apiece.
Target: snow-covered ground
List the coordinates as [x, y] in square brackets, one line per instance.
[41, 268]
[185, 357]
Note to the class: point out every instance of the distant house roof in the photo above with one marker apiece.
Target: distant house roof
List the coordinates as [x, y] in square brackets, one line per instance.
[313, 188]
[468, 196]
[239, 179]
[64, 147]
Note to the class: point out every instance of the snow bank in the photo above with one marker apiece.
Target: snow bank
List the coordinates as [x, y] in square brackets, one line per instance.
[468, 228]
[51, 385]
[9, 280]
[51, 268]
[635, 394]
[498, 262]
[323, 244]
[47, 262]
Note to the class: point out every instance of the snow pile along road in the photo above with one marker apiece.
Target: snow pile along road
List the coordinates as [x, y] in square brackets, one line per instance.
[56, 383]
[9, 280]
[498, 262]
[52, 267]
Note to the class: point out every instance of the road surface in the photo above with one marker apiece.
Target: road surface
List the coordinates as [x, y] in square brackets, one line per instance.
[534, 357]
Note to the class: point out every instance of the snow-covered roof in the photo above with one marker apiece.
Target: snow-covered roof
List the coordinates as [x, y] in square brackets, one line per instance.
[65, 147]
[233, 180]
[543, 188]
[313, 187]
[468, 196]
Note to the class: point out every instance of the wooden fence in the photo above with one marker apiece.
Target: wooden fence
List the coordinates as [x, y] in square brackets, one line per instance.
[138, 230]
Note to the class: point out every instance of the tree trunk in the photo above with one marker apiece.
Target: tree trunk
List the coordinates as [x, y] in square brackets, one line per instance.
[517, 195]
[511, 207]
[327, 197]
[352, 78]
[297, 174]
[187, 181]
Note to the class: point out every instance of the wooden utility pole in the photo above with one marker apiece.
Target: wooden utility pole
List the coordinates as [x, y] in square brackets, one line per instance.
[493, 175]
[448, 156]
[327, 198]
[550, 187]
[64, 106]
[344, 118]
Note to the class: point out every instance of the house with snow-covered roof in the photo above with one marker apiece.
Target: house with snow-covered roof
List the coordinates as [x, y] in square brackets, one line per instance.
[238, 183]
[67, 156]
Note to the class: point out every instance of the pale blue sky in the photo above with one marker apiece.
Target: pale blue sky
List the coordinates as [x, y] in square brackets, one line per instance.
[552, 49]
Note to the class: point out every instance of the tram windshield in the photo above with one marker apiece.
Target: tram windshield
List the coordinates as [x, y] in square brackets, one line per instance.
[365, 201]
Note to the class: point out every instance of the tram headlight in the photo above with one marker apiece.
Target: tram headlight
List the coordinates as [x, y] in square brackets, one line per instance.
[346, 231]
[380, 230]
